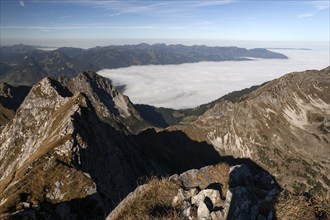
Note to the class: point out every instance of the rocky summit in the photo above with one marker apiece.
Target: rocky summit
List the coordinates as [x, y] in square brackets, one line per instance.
[76, 147]
[72, 151]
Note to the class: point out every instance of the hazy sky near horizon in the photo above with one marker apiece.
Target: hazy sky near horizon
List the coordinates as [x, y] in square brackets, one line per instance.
[57, 23]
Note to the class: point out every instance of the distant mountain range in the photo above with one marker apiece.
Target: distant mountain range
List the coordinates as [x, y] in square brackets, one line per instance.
[287, 48]
[25, 65]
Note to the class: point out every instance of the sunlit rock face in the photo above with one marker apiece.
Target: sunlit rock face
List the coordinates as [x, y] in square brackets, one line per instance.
[48, 152]
[284, 125]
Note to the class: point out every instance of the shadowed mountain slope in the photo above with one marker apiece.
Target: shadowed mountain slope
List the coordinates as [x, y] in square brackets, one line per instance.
[10, 99]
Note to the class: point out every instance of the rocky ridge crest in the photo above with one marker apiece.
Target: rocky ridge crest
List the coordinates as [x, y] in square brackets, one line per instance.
[72, 144]
[284, 125]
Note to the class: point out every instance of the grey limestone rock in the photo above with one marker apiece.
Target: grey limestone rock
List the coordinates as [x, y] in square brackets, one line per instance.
[242, 200]
[189, 179]
[212, 195]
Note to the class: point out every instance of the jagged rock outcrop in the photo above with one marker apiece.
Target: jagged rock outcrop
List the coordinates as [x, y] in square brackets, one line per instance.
[70, 151]
[44, 149]
[37, 147]
[283, 125]
[117, 110]
[238, 195]
[230, 193]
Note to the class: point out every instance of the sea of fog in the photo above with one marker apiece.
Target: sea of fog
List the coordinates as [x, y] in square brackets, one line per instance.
[193, 84]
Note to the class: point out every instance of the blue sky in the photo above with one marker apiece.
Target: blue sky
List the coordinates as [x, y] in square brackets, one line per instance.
[60, 22]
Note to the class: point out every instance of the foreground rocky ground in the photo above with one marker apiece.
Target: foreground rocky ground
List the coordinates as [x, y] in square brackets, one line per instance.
[219, 192]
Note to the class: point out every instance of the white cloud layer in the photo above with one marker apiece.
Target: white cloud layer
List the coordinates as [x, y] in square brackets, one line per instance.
[22, 3]
[190, 85]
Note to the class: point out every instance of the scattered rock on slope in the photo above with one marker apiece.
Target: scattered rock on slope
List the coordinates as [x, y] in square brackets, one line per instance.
[213, 192]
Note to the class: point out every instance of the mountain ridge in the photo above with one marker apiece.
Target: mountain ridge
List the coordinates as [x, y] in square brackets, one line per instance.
[71, 144]
[23, 64]
[289, 114]
[48, 151]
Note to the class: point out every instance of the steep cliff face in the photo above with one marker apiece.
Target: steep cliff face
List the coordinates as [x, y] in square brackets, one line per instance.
[283, 125]
[71, 145]
[110, 105]
[44, 151]
[36, 161]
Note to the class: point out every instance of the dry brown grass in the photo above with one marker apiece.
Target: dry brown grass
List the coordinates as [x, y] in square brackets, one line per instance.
[322, 206]
[292, 207]
[289, 206]
[153, 202]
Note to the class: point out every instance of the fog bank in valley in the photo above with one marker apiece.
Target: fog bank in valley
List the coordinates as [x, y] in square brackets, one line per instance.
[190, 85]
